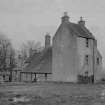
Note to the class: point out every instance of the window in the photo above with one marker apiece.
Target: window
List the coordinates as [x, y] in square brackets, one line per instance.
[86, 73]
[87, 59]
[87, 42]
[98, 61]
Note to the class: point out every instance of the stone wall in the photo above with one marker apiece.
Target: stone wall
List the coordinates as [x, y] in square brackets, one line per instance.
[65, 58]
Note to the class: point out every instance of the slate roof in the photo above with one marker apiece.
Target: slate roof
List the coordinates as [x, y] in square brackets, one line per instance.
[41, 63]
[30, 59]
[80, 31]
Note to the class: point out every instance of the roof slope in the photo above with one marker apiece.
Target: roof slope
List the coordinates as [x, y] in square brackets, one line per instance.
[83, 31]
[30, 59]
[80, 31]
[42, 63]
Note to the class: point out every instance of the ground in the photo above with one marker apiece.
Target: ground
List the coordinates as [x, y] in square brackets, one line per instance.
[52, 94]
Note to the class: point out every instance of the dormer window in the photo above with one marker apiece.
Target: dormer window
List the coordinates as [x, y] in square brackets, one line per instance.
[87, 42]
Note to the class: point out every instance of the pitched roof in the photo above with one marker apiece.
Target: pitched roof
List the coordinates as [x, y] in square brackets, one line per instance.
[30, 59]
[80, 31]
[42, 63]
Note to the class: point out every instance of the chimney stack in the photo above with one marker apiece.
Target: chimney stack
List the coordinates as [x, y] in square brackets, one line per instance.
[81, 22]
[47, 40]
[65, 18]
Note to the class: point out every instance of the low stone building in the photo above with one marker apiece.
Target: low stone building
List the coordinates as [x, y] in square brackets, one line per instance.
[39, 65]
[72, 57]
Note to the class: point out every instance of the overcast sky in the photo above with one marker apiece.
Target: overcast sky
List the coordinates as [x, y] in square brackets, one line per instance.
[22, 20]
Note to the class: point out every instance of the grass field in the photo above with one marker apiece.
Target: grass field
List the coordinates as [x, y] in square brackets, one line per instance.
[52, 94]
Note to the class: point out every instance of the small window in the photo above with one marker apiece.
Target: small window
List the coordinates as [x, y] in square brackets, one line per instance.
[86, 73]
[87, 42]
[87, 59]
[98, 62]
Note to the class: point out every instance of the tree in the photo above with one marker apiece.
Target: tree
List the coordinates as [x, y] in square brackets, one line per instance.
[29, 48]
[7, 53]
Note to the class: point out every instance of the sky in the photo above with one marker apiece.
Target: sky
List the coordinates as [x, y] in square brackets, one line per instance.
[23, 20]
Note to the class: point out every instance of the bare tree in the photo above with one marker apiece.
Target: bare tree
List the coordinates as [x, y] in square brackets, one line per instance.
[7, 54]
[29, 48]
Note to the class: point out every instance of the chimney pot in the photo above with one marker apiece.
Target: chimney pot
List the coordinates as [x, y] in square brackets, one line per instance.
[81, 22]
[47, 40]
[65, 18]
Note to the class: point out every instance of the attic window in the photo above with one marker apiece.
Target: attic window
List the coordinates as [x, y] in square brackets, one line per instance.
[87, 42]
[98, 61]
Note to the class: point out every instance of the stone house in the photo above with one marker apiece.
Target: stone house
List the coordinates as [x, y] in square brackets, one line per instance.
[73, 53]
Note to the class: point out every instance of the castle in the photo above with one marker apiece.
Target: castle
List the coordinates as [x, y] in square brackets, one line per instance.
[72, 56]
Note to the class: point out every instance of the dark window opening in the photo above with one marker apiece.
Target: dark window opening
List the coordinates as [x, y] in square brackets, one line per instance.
[98, 62]
[87, 42]
[87, 59]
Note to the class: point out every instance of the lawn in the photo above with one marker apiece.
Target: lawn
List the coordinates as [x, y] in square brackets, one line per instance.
[52, 94]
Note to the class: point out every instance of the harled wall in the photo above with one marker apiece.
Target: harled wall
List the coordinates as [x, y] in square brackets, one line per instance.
[65, 58]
